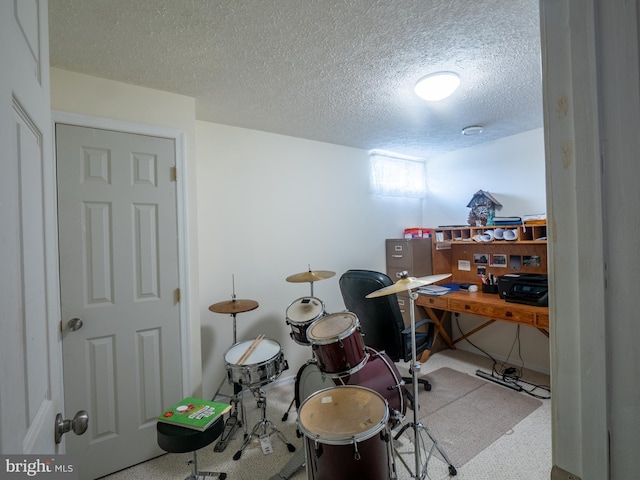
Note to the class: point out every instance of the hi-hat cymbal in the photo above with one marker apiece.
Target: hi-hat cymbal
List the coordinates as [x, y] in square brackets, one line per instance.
[408, 283]
[234, 306]
[310, 276]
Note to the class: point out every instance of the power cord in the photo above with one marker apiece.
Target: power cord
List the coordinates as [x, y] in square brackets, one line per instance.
[510, 374]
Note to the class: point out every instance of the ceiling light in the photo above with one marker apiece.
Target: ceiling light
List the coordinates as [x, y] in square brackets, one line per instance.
[437, 86]
[472, 130]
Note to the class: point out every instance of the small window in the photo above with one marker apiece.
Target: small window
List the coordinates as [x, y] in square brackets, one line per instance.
[397, 176]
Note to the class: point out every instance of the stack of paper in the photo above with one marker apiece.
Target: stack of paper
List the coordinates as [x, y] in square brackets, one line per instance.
[433, 290]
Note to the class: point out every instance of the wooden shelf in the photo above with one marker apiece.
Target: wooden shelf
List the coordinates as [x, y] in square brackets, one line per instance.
[457, 253]
[464, 235]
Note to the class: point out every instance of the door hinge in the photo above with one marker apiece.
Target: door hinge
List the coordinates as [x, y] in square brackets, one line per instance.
[176, 295]
[174, 174]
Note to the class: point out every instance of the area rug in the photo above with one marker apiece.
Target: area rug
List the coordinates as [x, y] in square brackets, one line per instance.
[466, 414]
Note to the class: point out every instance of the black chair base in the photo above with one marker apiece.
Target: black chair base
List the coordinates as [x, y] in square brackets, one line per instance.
[174, 439]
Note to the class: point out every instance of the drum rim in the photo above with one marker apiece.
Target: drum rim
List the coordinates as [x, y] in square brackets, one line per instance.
[341, 336]
[351, 371]
[346, 440]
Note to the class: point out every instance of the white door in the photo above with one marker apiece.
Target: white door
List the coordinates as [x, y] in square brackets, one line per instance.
[30, 377]
[119, 277]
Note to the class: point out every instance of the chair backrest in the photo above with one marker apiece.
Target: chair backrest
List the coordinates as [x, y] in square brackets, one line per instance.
[380, 318]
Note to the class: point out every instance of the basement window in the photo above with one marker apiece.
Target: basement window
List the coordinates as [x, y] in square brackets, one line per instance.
[397, 176]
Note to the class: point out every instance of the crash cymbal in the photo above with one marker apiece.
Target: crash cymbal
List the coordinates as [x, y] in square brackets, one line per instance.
[234, 306]
[310, 276]
[408, 283]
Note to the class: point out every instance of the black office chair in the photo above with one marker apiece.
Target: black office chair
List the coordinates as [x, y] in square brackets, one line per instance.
[380, 318]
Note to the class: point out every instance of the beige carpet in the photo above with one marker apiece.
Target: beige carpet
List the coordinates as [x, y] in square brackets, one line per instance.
[466, 414]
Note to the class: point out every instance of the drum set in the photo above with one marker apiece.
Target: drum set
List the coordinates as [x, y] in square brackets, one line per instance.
[349, 397]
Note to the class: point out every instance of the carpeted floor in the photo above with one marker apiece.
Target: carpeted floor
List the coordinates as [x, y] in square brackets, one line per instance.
[488, 432]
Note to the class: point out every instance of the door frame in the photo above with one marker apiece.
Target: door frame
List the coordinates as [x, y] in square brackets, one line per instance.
[177, 136]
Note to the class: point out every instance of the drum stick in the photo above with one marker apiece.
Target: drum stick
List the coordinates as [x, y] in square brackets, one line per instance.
[250, 350]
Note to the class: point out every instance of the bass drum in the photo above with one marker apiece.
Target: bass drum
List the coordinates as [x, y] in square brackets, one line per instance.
[310, 380]
[381, 375]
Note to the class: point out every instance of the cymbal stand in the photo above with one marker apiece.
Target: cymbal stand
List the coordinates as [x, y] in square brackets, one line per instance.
[416, 425]
[232, 422]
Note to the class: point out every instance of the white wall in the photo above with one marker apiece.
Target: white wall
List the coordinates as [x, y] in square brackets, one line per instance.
[513, 170]
[270, 205]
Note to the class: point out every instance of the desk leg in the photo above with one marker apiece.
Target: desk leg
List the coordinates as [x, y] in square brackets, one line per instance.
[440, 330]
[477, 329]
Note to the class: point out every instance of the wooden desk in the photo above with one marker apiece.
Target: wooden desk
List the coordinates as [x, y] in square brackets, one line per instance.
[481, 304]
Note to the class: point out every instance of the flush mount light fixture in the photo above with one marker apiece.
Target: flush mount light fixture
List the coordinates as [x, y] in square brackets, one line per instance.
[437, 86]
[472, 130]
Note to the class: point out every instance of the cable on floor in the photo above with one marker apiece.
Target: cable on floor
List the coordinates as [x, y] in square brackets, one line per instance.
[510, 374]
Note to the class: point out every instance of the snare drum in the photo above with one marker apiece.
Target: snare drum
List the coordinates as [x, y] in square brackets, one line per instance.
[300, 314]
[346, 434]
[262, 366]
[337, 344]
[381, 375]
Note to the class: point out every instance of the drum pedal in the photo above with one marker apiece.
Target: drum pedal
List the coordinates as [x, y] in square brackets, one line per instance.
[229, 427]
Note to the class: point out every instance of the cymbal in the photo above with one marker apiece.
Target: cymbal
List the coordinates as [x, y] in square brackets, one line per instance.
[408, 283]
[310, 276]
[234, 306]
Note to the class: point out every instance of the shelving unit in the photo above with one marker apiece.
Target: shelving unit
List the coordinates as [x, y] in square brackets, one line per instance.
[464, 234]
[456, 252]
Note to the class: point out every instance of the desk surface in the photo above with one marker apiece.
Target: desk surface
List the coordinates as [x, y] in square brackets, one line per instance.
[477, 300]
[487, 305]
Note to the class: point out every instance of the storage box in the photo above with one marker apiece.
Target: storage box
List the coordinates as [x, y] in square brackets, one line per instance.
[417, 232]
[489, 288]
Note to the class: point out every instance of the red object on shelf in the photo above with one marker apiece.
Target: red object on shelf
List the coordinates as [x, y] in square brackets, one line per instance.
[417, 232]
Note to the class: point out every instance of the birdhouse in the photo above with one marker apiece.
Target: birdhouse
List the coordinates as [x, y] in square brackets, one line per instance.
[483, 208]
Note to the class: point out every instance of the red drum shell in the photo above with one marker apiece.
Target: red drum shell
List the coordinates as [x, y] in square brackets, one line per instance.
[381, 375]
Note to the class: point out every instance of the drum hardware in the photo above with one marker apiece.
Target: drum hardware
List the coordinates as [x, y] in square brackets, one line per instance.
[408, 284]
[232, 307]
[264, 425]
[310, 276]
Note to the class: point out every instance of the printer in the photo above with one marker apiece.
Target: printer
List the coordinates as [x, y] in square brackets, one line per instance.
[527, 288]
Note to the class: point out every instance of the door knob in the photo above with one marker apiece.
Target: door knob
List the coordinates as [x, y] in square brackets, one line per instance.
[79, 425]
[74, 324]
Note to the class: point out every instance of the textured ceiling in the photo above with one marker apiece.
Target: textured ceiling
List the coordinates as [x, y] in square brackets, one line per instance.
[337, 71]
